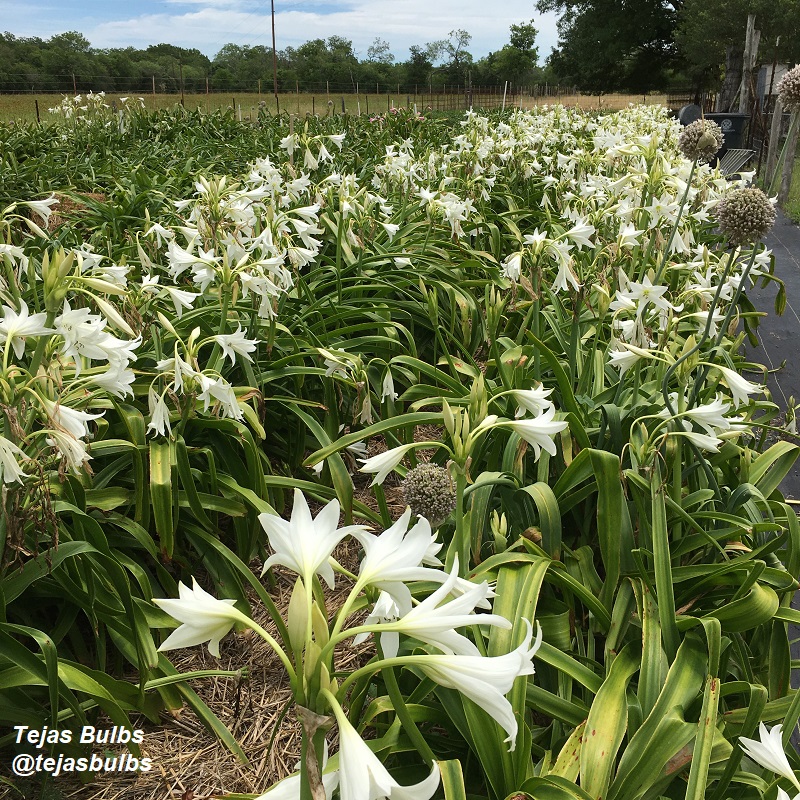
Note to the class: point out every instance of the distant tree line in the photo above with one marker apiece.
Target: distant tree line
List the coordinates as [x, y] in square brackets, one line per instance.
[69, 62]
[641, 45]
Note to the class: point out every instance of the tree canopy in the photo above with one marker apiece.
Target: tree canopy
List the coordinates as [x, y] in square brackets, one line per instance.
[68, 61]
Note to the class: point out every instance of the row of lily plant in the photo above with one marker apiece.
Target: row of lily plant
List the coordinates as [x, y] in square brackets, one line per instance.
[561, 290]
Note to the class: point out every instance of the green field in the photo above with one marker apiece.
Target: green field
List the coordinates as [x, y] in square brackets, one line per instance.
[23, 106]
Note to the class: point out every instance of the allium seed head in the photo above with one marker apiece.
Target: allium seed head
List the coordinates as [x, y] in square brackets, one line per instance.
[745, 215]
[429, 491]
[789, 90]
[701, 140]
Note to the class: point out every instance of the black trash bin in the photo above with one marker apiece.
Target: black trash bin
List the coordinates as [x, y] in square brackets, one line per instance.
[733, 126]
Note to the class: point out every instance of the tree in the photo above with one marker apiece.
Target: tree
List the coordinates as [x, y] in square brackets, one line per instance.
[417, 69]
[605, 45]
[453, 54]
[515, 62]
[380, 52]
[711, 33]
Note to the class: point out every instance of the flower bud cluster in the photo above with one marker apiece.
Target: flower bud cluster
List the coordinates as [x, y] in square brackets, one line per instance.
[429, 491]
[701, 140]
[745, 215]
[789, 90]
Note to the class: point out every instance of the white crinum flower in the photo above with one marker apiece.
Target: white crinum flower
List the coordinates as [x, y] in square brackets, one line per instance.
[233, 344]
[769, 752]
[740, 387]
[486, 680]
[538, 431]
[17, 325]
[395, 556]
[9, 468]
[304, 544]
[42, 208]
[181, 299]
[204, 618]
[532, 400]
[159, 413]
[289, 788]
[433, 621]
[71, 449]
[383, 463]
[363, 777]
[70, 419]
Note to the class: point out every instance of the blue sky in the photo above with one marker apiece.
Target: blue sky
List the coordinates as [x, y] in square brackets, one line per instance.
[209, 24]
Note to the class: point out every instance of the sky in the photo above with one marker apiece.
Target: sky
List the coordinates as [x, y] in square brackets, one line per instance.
[209, 24]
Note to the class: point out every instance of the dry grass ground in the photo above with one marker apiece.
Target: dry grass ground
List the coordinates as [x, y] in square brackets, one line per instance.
[23, 106]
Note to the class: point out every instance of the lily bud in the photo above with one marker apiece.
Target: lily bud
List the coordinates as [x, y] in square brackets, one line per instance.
[449, 421]
[297, 617]
[320, 626]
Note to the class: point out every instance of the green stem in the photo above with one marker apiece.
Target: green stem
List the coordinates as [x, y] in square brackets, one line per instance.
[722, 328]
[461, 540]
[665, 253]
[399, 703]
[223, 325]
[380, 496]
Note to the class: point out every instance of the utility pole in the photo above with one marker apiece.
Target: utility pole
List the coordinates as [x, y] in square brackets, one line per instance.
[274, 61]
[180, 67]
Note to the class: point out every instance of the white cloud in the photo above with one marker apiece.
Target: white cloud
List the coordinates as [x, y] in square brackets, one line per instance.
[208, 25]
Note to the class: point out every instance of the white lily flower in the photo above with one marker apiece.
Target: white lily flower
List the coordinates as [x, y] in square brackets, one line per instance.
[769, 752]
[391, 229]
[623, 360]
[221, 391]
[289, 788]
[71, 420]
[486, 680]
[538, 431]
[644, 293]
[740, 387]
[387, 388]
[711, 416]
[395, 557]
[628, 236]
[9, 468]
[204, 618]
[435, 624]
[159, 413]
[16, 326]
[233, 344]
[704, 441]
[116, 380]
[162, 233]
[512, 266]
[363, 777]
[42, 208]
[533, 400]
[71, 449]
[580, 234]
[303, 544]
[181, 299]
[383, 463]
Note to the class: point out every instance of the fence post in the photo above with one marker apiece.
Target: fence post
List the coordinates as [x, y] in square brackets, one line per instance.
[791, 152]
[774, 137]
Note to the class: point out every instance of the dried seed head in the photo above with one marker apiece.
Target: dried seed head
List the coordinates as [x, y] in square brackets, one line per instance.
[701, 140]
[745, 215]
[429, 491]
[789, 90]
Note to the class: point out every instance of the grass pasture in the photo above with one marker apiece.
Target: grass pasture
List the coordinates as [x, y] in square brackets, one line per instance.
[23, 106]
